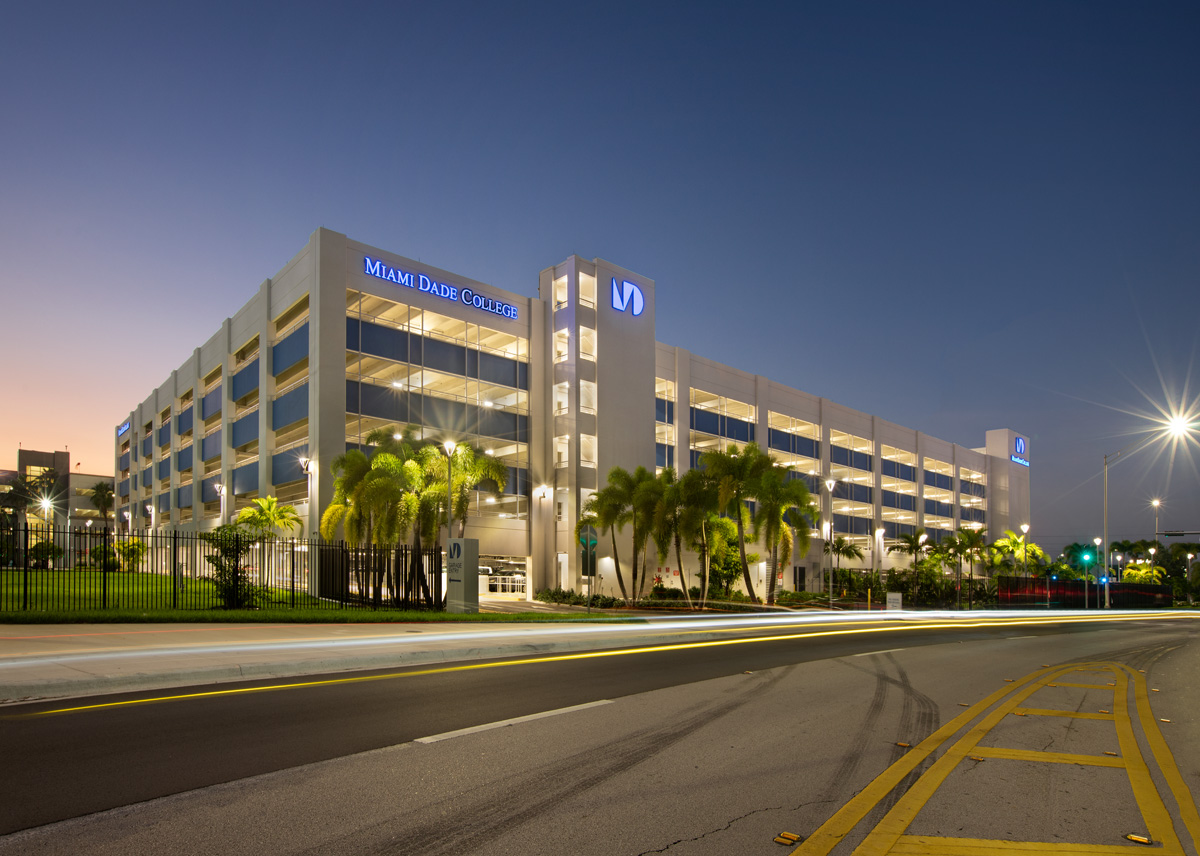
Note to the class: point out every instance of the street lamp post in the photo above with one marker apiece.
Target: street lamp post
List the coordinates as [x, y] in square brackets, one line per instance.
[449, 446]
[1096, 541]
[220, 489]
[1188, 576]
[1025, 549]
[829, 483]
[1156, 503]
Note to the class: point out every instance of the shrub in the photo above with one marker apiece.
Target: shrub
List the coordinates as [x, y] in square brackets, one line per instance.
[229, 572]
[44, 552]
[569, 596]
[132, 551]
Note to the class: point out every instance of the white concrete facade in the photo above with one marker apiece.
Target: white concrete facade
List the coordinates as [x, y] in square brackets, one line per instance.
[562, 387]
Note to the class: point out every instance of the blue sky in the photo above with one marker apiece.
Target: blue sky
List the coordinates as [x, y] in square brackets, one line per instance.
[955, 216]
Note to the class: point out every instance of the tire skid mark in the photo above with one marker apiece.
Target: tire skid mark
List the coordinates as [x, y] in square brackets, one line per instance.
[487, 812]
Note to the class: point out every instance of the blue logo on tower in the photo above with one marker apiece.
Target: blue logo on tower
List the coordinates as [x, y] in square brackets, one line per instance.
[1019, 448]
[627, 297]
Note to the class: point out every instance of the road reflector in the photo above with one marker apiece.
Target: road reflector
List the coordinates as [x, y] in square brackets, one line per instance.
[963, 704]
[975, 758]
[1112, 683]
[1164, 720]
[790, 836]
[1140, 839]
[1008, 680]
[1102, 710]
[1017, 713]
[1111, 753]
[1143, 671]
[1051, 685]
[909, 745]
[1045, 665]
[1153, 691]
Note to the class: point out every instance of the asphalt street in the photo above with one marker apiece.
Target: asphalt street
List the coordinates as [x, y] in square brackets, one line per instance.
[685, 748]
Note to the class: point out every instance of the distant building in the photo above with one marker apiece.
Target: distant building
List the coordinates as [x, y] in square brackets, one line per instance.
[561, 387]
[69, 495]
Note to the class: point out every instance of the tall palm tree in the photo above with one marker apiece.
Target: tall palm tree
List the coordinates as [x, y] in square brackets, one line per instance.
[668, 528]
[607, 510]
[471, 469]
[736, 473]
[102, 499]
[699, 495]
[781, 503]
[647, 493]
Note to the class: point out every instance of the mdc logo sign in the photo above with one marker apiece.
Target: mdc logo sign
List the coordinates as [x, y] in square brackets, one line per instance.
[627, 296]
[455, 550]
[1020, 446]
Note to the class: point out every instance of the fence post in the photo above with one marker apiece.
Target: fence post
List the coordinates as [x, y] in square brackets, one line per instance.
[175, 580]
[109, 556]
[293, 571]
[25, 571]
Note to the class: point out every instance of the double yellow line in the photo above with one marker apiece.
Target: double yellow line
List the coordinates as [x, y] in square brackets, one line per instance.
[889, 835]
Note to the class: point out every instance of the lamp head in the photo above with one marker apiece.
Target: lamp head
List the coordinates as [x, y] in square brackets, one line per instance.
[1155, 502]
[45, 503]
[449, 447]
[1178, 425]
[1096, 541]
[1024, 528]
[829, 483]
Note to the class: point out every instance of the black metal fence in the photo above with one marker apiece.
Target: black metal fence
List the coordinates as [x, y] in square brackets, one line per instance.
[51, 569]
[1041, 593]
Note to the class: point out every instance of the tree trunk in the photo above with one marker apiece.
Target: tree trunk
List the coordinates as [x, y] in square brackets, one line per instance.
[704, 566]
[612, 531]
[742, 552]
[774, 569]
[682, 576]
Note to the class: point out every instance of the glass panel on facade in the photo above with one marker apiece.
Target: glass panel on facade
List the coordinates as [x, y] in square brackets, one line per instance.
[587, 290]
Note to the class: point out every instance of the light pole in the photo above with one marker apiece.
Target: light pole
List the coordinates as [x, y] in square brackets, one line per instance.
[1156, 503]
[220, 489]
[449, 446]
[1096, 541]
[1177, 427]
[307, 466]
[1025, 549]
[878, 548]
[829, 483]
[1188, 575]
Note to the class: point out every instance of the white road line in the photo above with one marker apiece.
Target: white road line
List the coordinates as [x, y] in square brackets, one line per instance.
[873, 653]
[489, 726]
[1022, 637]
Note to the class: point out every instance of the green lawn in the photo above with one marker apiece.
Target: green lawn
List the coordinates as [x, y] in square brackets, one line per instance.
[67, 597]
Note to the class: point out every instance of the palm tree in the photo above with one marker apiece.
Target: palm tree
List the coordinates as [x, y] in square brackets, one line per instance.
[102, 499]
[607, 510]
[841, 548]
[736, 473]
[471, 469]
[668, 529]
[781, 503]
[911, 545]
[265, 515]
[972, 544]
[1019, 548]
[699, 495]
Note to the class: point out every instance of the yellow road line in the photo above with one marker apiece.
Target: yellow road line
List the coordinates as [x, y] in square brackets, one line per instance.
[1087, 686]
[1048, 757]
[1165, 760]
[1071, 714]
[831, 833]
[888, 836]
[888, 831]
[927, 845]
[1154, 811]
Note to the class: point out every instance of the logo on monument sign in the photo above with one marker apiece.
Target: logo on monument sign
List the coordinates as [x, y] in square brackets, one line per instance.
[1020, 446]
[455, 550]
[627, 296]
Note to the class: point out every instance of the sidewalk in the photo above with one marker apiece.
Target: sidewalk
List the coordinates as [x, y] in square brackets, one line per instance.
[56, 661]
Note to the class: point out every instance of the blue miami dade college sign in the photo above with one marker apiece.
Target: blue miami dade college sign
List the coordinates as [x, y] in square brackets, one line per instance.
[628, 297]
[1019, 449]
[421, 282]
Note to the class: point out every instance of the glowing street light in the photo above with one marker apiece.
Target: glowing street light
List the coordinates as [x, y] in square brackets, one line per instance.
[1097, 541]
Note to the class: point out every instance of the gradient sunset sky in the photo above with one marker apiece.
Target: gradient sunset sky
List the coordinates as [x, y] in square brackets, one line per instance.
[955, 216]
